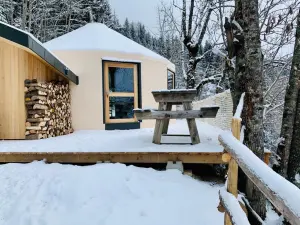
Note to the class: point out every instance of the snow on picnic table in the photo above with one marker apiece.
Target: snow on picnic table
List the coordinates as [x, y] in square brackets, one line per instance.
[121, 141]
[106, 194]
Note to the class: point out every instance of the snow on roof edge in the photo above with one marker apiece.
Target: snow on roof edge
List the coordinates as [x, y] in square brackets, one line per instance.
[64, 42]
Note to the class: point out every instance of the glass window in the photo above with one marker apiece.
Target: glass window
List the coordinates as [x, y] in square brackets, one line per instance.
[121, 107]
[121, 79]
[171, 80]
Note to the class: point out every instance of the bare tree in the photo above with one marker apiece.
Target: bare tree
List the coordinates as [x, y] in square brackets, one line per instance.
[192, 28]
[289, 163]
[253, 82]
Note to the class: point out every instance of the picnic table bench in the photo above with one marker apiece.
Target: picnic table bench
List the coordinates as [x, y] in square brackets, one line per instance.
[166, 99]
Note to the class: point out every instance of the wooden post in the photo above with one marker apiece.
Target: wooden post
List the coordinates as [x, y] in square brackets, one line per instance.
[192, 124]
[166, 121]
[267, 157]
[158, 127]
[233, 166]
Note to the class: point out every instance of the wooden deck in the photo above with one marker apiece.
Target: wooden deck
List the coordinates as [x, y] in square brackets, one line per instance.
[114, 157]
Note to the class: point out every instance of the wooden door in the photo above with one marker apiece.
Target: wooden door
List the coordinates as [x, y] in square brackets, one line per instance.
[121, 92]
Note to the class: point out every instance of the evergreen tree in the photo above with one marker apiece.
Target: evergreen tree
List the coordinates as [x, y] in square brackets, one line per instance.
[148, 41]
[48, 19]
[141, 34]
[126, 28]
[7, 11]
[132, 31]
[161, 46]
[167, 47]
[102, 12]
[116, 23]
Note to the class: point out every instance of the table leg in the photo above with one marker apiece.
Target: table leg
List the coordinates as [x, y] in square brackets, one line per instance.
[192, 124]
[166, 121]
[158, 127]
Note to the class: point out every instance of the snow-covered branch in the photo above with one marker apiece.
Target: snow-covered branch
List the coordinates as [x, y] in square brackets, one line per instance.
[273, 108]
[211, 79]
[277, 77]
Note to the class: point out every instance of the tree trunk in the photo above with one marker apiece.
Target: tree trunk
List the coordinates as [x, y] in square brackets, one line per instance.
[294, 157]
[30, 15]
[239, 52]
[227, 81]
[190, 83]
[236, 78]
[289, 112]
[192, 45]
[24, 14]
[294, 151]
[253, 80]
[11, 12]
[237, 49]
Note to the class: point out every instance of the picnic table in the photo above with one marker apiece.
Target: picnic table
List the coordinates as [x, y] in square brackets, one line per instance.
[166, 99]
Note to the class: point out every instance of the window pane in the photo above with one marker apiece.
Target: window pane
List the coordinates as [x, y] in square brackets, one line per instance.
[170, 80]
[121, 107]
[120, 79]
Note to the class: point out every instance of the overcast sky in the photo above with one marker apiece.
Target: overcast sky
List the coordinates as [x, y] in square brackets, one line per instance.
[144, 11]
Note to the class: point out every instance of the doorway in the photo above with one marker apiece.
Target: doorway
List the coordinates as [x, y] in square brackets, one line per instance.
[120, 92]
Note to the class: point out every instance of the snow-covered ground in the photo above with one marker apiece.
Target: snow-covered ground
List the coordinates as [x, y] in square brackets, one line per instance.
[104, 194]
[121, 141]
[109, 194]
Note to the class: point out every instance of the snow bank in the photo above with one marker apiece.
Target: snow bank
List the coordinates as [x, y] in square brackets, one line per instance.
[110, 194]
[264, 176]
[121, 141]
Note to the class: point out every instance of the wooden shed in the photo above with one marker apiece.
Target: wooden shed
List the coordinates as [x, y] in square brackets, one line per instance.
[23, 57]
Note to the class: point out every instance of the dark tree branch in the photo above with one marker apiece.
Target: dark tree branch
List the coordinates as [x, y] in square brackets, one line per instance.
[221, 22]
[191, 18]
[212, 79]
[204, 26]
[175, 5]
[229, 35]
[183, 22]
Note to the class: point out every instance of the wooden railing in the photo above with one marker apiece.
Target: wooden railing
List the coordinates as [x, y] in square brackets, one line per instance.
[284, 195]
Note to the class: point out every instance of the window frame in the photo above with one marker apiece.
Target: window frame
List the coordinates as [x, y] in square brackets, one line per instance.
[108, 94]
[173, 77]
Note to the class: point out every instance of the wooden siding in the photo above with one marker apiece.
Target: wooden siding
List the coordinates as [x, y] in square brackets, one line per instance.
[16, 65]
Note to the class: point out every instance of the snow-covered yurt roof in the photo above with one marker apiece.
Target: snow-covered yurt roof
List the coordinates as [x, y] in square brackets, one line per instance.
[97, 36]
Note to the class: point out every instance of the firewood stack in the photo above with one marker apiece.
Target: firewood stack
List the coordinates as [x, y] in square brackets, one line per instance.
[48, 109]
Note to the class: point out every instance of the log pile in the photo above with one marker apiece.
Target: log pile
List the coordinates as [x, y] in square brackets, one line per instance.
[48, 109]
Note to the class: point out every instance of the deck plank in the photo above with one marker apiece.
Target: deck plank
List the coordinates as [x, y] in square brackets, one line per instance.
[114, 157]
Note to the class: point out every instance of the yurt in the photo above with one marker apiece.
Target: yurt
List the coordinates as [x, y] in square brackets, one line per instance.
[116, 75]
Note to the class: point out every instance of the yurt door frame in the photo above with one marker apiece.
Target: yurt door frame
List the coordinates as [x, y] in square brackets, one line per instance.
[121, 92]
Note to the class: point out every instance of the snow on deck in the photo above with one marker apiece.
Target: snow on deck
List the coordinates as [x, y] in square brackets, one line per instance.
[121, 141]
[110, 194]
